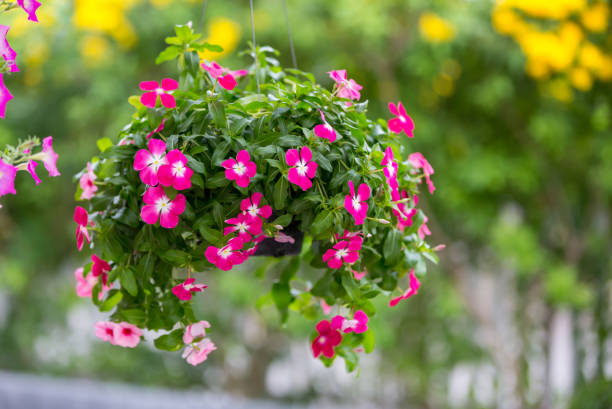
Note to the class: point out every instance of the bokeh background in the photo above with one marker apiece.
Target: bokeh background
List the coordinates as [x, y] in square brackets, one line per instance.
[512, 104]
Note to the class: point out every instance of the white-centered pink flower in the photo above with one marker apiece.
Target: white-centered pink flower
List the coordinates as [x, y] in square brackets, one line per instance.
[390, 168]
[356, 204]
[195, 331]
[325, 130]
[403, 122]
[345, 251]
[30, 7]
[418, 161]
[225, 258]
[148, 162]
[183, 291]
[175, 172]
[250, 207]
[327, 339]
[412, 290]
[197, 353]
[88, 183]
[227, 81]
[6, 51]
[81, 218]
[347, 88]
[5, 96]
[85, 284]
[7, 178]
[160, 207]
[155, 91]
[245, 226]
[241, 169]
[303, 169]
[358, 325]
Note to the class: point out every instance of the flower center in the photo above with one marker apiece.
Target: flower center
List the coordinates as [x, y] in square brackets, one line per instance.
[160, 91]
[179, 169]
[402, 119]
[239, 168]
[349, 324]
[301, 168]
[341, 253]
[328, 127]
[163, 205]
[225, 252]
[356, 203]
[127, 331]
[156, 161]
[322, 340]
[253, 210]
[390, 168]
[242, 227]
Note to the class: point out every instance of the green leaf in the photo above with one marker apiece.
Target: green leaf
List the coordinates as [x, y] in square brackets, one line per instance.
[220, 153]
[280, 193]
[104, 144]
[177, 258]
[281, 294]
[195, 165]
[350, 286]
[393, 247]
[170, 342]
[283, 220]
[210, 235]
[114, 297]
[213, 47]
[128, 281]
[368, 341]
[322, 222]
[170, 53]
[217, 110]
[134, 316]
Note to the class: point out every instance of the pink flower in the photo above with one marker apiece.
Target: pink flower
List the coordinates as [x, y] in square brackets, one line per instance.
[358, 324]
[403, 122]
[356, 204]
[149, 99]
[198, 353]
[412, 290]
[326, 308]
[343, 252]
[149, 162]
[226, 257]
[195, 331]
[88, 183]
[402, 211]
[390, 168]
[126, 335]
[325, 130]
[418, 161]
[423, 229]
[6, 51]
[81, 218]
[30, 7]
[100, 268]
[250, 206]
[49, 157]
[348, 89]
[85, 285]
[327, 339]
[5, 96]
[183, 291]
[7, 178]
[156, 130]
[281, 237]
[302, 168]
[159, 206]
[31, 168]
[175, 172]
[358, 276]
[245, 226]
[240, 169]
[216, 71]
[105, 331]
[238, 73]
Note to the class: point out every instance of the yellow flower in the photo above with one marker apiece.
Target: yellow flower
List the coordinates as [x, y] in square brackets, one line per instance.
[551, 9]
[591, 57]
[94, 48]
[560, 90]
[223, 32]
[596, 17]
[107, 16]
[435, 29]
[507, 21]
[581, 79]
[537, 68]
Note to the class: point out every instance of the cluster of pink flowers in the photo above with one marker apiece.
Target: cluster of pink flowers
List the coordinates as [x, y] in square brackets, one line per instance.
[85, 284]
[183, 291]
[346, 250]
[346, 88]
[330, 332]
[197, 345]
[122, 334]
[225, 77]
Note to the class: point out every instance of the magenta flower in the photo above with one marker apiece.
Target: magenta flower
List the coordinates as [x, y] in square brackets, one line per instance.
[156, 130]
[30, 7]
[149, 99]
[216, 71]
[81, 218]
[197, 353]
[31, 168]
[348, 89]
[403, 122]
[250, 206]
[159, 206]
[7, 178]
[358, 324]
[6, 51]
[88, 183]
[402, 211]
[390, 168]
[418, 161]
[85, 285]
[302, 168]
[325, 130]
[423, 229]
[105, 331]
[183, 291]
[149, 162]
[49, 157]
[356, 204]
[226, 257]
[412, 290]
[5, 96]
[245, 226]
[195, 331]
[240, 169]
[327, 339]
[100, 268]
[343, 252]
[175, 172]
[358, 275]
[126, 335]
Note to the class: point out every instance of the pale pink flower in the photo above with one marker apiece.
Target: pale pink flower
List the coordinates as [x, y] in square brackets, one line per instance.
[149, 161]
[281, 237]
[302, 169]
[325, 130]
[149, 99]
[175, 172]
[197, 353]
[390, 168]
[326, 341]
[5, 96]
[348, 89]
[343, 252]
[228, 256]
[7, 178]
[240, 169]
[30, 7]
[423, 229]
[85, 285]
[159, 206]
[6, 51]
[216, 71]
[127, 335]
[403, 122]
[183, 291]
[358, 276]
[413, 289]
[156, 130]
[358, 324]
[81, 218]
[88, 183]
[195, 331]
[245, 226]
[418, 161]
[250, 206]
[325, 307]
[356, 204]
[31, 168]
[49, 157]
[105, 331]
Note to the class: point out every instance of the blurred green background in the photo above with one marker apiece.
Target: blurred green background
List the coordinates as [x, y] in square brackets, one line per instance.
[512, 105]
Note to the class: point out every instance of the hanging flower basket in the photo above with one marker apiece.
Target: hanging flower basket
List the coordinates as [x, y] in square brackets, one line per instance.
[223, 165]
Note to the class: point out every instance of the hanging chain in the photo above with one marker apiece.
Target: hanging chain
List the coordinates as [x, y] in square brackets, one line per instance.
[201, 25]
[290, 35]
[254, 47]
